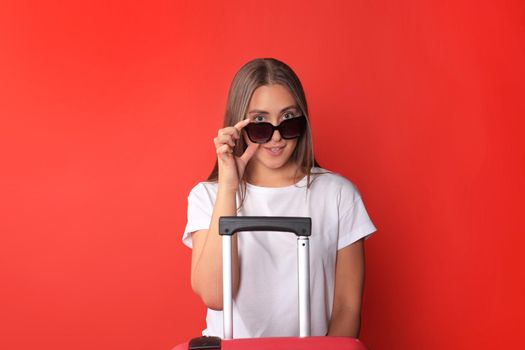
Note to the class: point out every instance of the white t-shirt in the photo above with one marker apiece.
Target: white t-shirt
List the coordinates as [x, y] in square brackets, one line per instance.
[266, 304]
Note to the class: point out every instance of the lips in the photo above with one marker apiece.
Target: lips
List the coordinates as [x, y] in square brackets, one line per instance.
[275, 151]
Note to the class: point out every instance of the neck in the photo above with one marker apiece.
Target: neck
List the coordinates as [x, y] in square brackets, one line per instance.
[287, 175]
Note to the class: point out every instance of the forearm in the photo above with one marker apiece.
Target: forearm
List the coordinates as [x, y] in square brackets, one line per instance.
[345, 322]
[207, 276]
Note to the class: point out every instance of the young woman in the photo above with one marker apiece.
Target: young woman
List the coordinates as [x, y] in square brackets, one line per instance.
[266, 167]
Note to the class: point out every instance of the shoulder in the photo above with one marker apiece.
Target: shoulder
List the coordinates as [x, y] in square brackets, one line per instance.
[324, 179]
[203, 189]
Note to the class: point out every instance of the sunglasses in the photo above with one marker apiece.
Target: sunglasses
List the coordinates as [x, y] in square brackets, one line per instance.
[263, 132]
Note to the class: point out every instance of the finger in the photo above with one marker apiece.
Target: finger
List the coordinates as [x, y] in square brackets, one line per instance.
[224, 149]
[242, 124]
[224, 152]
[229, 139]
[249, 152]
[229, 131]
[224, 139]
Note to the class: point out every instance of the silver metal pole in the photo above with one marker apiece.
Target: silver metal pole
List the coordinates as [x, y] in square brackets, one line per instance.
[227, 300]
[303, 265]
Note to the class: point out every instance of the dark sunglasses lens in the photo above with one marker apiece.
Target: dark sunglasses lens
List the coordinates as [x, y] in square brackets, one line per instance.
[259, 132]
[293, 128]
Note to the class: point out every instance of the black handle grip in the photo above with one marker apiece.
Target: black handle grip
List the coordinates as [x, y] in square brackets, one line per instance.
[301, 226]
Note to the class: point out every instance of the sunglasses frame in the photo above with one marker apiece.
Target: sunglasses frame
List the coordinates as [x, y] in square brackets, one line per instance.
[278, 127]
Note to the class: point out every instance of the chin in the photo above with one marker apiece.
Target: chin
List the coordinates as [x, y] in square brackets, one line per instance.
[275, 165]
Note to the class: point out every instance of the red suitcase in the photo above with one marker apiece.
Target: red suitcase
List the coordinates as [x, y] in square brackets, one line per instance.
[229, 225]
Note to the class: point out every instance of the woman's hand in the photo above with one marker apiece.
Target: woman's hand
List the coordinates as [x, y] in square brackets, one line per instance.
[231, 168]
[206, 256]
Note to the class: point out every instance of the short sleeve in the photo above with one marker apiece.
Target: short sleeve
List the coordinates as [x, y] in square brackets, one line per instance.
[200, 209]
[354, 222]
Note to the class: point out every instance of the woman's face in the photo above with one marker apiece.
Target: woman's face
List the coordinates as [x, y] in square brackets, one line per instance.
[272, 104]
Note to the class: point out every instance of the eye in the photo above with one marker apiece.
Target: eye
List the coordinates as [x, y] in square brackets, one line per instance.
[288, 115]
[255, 119]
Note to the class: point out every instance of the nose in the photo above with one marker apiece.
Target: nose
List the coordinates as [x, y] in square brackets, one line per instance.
[276, 135]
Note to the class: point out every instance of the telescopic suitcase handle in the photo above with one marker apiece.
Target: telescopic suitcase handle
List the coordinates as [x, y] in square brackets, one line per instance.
[228, 225]
[301, 226]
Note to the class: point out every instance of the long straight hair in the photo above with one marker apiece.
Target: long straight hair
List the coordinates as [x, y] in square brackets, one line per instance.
[256, 73]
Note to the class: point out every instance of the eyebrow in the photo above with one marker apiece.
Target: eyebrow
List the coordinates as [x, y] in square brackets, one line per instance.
[258, 111]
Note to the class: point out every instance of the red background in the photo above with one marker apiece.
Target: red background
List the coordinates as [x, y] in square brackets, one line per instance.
[108, 111]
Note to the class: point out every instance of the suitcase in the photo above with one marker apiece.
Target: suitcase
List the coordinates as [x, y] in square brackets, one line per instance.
[301, 227]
